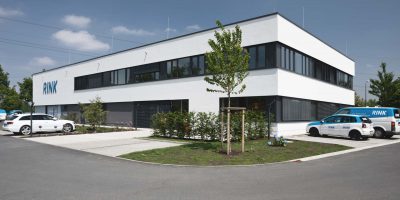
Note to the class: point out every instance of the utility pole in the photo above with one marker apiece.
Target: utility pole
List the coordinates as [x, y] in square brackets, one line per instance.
[366, 82]
[168, 28]
[303, 16]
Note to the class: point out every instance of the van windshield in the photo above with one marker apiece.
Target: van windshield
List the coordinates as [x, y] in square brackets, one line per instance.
[396, 113]
[365, 120]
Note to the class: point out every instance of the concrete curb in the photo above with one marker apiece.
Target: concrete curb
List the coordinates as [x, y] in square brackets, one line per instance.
[342, 152]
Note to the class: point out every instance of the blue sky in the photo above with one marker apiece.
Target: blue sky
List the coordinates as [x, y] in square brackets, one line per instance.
[46, 34]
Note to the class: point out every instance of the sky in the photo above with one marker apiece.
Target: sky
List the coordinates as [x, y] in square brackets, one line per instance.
[43, 34]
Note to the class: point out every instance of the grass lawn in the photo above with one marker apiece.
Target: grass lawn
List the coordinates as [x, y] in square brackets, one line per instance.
[256, 152]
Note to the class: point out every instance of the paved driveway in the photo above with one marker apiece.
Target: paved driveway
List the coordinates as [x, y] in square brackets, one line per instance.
[109, 144]
[31, 170]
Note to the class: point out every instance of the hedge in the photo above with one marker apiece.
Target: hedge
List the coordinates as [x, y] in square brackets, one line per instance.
[206, 126]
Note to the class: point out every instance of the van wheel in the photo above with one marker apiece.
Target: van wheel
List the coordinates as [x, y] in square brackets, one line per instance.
[25, 130]
[355, 135]
[379, 133]
[314, 132]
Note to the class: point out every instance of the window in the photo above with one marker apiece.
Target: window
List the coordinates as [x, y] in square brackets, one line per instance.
[121, 77]
[261, 56]
[169, 69]
[298, 61]
[202, 64]
[253, 57]
[106, 79]
[25, 118]
[184, 66]
[297, 110]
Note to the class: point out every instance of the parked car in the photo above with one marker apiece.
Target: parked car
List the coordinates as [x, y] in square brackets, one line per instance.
[3, 114]
[386, 119]
[343, 125]
[14, 112]
[20, 124]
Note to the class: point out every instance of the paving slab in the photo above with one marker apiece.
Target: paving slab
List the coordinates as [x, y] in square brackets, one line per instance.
[109, 144]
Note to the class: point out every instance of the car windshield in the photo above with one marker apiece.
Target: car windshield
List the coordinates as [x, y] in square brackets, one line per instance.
[396, 113]
[365, 120]
[11, 117]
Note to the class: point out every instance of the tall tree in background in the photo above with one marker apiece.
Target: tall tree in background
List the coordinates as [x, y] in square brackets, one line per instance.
[227, 63]
[4, 78]
[360, 102]
[4, 86]
[386, 88]
[25, 89]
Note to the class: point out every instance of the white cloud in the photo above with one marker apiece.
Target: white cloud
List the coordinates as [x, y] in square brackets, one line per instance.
[77, 21]
[171, 30]
[42, 61]
[5, 12]
[80, 40]
[194, 27]
[136, 32]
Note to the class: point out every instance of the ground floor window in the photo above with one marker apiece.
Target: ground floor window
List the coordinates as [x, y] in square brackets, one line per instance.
[285, 109]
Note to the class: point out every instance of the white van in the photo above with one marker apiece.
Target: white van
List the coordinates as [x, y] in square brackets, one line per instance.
[386, 120]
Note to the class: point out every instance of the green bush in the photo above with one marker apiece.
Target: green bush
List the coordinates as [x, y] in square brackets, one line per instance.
[206, 126]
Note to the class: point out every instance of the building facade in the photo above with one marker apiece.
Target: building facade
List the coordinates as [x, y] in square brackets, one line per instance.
[294, 72]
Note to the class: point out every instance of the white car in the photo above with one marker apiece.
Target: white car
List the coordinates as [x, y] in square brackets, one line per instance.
[342, 125]
[21, 124]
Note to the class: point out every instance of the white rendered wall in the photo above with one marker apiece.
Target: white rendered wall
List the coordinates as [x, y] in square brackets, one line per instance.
[295, 37]
[294, 85]
[258, 31]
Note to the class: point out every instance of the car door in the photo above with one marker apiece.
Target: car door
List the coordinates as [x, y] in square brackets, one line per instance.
[346, 123]
[49, 124]
[37, 123]
[329, 125]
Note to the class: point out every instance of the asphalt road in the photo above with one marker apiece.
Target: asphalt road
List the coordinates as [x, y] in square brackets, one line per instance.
[30, 170]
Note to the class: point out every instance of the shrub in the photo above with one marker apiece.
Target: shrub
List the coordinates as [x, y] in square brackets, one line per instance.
[206, 126]
[94, 113]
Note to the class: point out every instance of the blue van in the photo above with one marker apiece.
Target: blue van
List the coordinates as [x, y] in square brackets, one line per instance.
[3, 115]
[386, 120]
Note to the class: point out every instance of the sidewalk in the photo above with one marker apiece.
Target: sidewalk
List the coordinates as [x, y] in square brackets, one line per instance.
[109, 144]
[346, 141]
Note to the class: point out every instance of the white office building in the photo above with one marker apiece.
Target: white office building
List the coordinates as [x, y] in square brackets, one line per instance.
[302, 77]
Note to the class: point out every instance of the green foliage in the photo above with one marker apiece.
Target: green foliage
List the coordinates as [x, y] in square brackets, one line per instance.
[25, 89]
[386, 88]
[227, 63]
[73, 117]
[10, 100]
[206, 126]
[87, 129]
[4, 81]
[360, 102]
[94, 113]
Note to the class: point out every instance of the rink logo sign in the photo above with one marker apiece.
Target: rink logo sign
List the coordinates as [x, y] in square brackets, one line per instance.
[50, 87]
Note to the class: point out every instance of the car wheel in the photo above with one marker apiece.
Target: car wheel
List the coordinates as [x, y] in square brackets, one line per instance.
[314, 132]
[355, 135]
[67, 128]
[388, 135]
[379, 133]
[25, 130]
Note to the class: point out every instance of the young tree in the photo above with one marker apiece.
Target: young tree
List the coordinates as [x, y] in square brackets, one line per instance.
[94, 113]
[386, 88]
[227, 63]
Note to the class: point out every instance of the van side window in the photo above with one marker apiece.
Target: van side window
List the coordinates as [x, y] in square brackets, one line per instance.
[344, 111]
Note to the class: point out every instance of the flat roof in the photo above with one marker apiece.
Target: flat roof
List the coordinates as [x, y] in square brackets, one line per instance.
[180, 36]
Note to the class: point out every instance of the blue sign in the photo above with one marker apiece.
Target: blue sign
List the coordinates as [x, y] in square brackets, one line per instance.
[50, 87]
